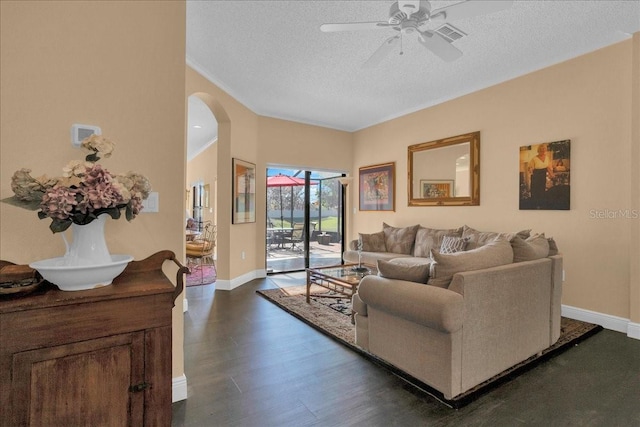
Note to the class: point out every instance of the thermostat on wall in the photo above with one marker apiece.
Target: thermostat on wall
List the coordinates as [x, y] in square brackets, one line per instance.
[80, 132]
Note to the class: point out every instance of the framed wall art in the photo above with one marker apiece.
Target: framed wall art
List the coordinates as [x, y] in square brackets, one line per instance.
[545, 172]
[377, 187]
[244, 192]
[436, 188]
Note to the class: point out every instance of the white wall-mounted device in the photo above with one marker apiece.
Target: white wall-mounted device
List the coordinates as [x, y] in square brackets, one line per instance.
[152, 203]
[80, 132]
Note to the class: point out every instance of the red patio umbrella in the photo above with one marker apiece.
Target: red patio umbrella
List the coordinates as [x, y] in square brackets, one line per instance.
[280, 181]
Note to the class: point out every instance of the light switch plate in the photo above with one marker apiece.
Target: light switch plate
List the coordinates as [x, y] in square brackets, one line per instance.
[152, 204]
[80, 132]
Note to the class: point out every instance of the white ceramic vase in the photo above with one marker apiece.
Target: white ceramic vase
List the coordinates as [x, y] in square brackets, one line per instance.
[88, 246]
[87, 263]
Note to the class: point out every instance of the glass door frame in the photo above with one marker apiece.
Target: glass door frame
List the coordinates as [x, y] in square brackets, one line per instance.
[340, 210]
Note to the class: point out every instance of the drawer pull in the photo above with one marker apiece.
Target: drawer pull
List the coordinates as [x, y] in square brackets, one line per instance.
[139, 387]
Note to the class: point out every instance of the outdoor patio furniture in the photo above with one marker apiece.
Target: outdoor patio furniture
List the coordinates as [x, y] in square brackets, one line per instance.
[298, 234]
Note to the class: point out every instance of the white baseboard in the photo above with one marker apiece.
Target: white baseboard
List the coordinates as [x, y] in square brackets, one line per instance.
[227, 285]
[607, 321]
[179, 388]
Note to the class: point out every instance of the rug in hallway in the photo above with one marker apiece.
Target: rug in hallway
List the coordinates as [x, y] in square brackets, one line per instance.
[208, 276]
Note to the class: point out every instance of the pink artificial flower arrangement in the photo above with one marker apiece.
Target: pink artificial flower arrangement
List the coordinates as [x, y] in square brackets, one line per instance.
[84, 191]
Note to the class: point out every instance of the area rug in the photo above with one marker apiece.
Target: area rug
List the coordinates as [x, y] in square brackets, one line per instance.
[208, 276]
[332, 316]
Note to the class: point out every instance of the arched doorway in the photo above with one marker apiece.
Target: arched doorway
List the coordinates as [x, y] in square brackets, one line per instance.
[207, 132]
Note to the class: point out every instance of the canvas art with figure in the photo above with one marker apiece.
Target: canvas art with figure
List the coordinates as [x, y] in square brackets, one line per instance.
[545, 176]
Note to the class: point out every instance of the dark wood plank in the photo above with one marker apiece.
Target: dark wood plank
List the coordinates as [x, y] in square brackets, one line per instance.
[249, 363]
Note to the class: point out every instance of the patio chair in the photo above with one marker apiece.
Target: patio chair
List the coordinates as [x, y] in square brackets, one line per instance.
[298, 234]
[200, 250]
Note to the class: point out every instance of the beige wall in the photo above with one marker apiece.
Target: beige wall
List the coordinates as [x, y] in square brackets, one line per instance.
[263, 141]
[587, 100]
[237, 137]
[203, 169]
[634, 196]
[116, 65]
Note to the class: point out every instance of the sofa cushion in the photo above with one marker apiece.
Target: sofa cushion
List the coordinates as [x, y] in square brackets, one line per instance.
[444, 266]
[399, 240]
[410, 260]
[371, 258]
[481, 238]
[535, 247]
[373, 242]
[431, 238]
[411, 273]
[451, 244]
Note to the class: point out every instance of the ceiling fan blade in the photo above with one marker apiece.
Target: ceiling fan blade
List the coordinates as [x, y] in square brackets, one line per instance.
[382, 52]
[469, 9]
[439, 45]
[353, 26]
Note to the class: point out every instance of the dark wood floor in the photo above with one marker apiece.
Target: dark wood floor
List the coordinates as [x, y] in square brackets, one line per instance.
[249, 363]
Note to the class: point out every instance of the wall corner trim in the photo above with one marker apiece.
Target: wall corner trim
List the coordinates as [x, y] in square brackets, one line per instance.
[227, 285]
[178, 388]
[633, 330]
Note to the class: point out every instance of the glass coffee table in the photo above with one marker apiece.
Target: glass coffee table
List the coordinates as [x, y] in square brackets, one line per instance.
[342, 279]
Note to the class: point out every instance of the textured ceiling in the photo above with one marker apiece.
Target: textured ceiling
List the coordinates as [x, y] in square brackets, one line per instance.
[272, 57]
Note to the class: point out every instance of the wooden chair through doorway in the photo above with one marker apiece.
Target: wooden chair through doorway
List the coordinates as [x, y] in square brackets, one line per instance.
[200, 250]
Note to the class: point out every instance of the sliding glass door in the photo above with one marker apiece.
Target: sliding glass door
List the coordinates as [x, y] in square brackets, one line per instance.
[304, 219]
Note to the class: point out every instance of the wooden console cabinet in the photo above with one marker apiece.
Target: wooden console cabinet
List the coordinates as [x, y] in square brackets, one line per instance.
[100, 357]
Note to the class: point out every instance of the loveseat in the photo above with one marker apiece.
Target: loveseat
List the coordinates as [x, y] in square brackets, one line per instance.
[459, 317]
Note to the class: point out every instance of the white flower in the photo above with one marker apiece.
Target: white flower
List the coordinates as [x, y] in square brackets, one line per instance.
[75, 168]
[100, 145]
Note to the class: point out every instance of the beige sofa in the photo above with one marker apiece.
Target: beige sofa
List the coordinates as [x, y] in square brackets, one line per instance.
[482, 313]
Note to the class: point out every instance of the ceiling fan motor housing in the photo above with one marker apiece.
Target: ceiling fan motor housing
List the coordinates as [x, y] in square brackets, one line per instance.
[407, 9]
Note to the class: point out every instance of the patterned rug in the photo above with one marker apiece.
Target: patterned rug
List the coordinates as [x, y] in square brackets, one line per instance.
[332, 316]
[195, 279]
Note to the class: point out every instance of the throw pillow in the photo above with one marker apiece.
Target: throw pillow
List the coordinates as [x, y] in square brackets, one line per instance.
[452, 244]
[431, 238]
[411, 273]
[553, 247]
[535, 247]
[444, 266]
[481, 238]
[373, 242]
[399, 240]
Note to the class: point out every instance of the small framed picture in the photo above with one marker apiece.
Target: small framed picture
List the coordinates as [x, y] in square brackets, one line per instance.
[377, 187]
[244, 192]
[436, 188]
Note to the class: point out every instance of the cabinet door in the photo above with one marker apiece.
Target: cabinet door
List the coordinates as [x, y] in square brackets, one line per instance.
[81, 384]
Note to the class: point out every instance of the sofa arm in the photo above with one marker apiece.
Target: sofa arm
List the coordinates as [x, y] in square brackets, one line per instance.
[512, 303]
[358, 306]
[434, 307]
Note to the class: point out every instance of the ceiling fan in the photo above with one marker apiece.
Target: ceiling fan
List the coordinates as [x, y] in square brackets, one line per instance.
[408, 17]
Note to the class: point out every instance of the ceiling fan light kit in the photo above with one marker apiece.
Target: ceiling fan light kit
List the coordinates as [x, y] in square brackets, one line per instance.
[408, 16]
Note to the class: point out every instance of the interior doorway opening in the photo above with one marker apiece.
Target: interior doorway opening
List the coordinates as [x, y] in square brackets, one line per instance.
[305, 219]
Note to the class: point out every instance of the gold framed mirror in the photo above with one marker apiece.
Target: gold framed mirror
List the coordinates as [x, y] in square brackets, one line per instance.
[445, 172]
